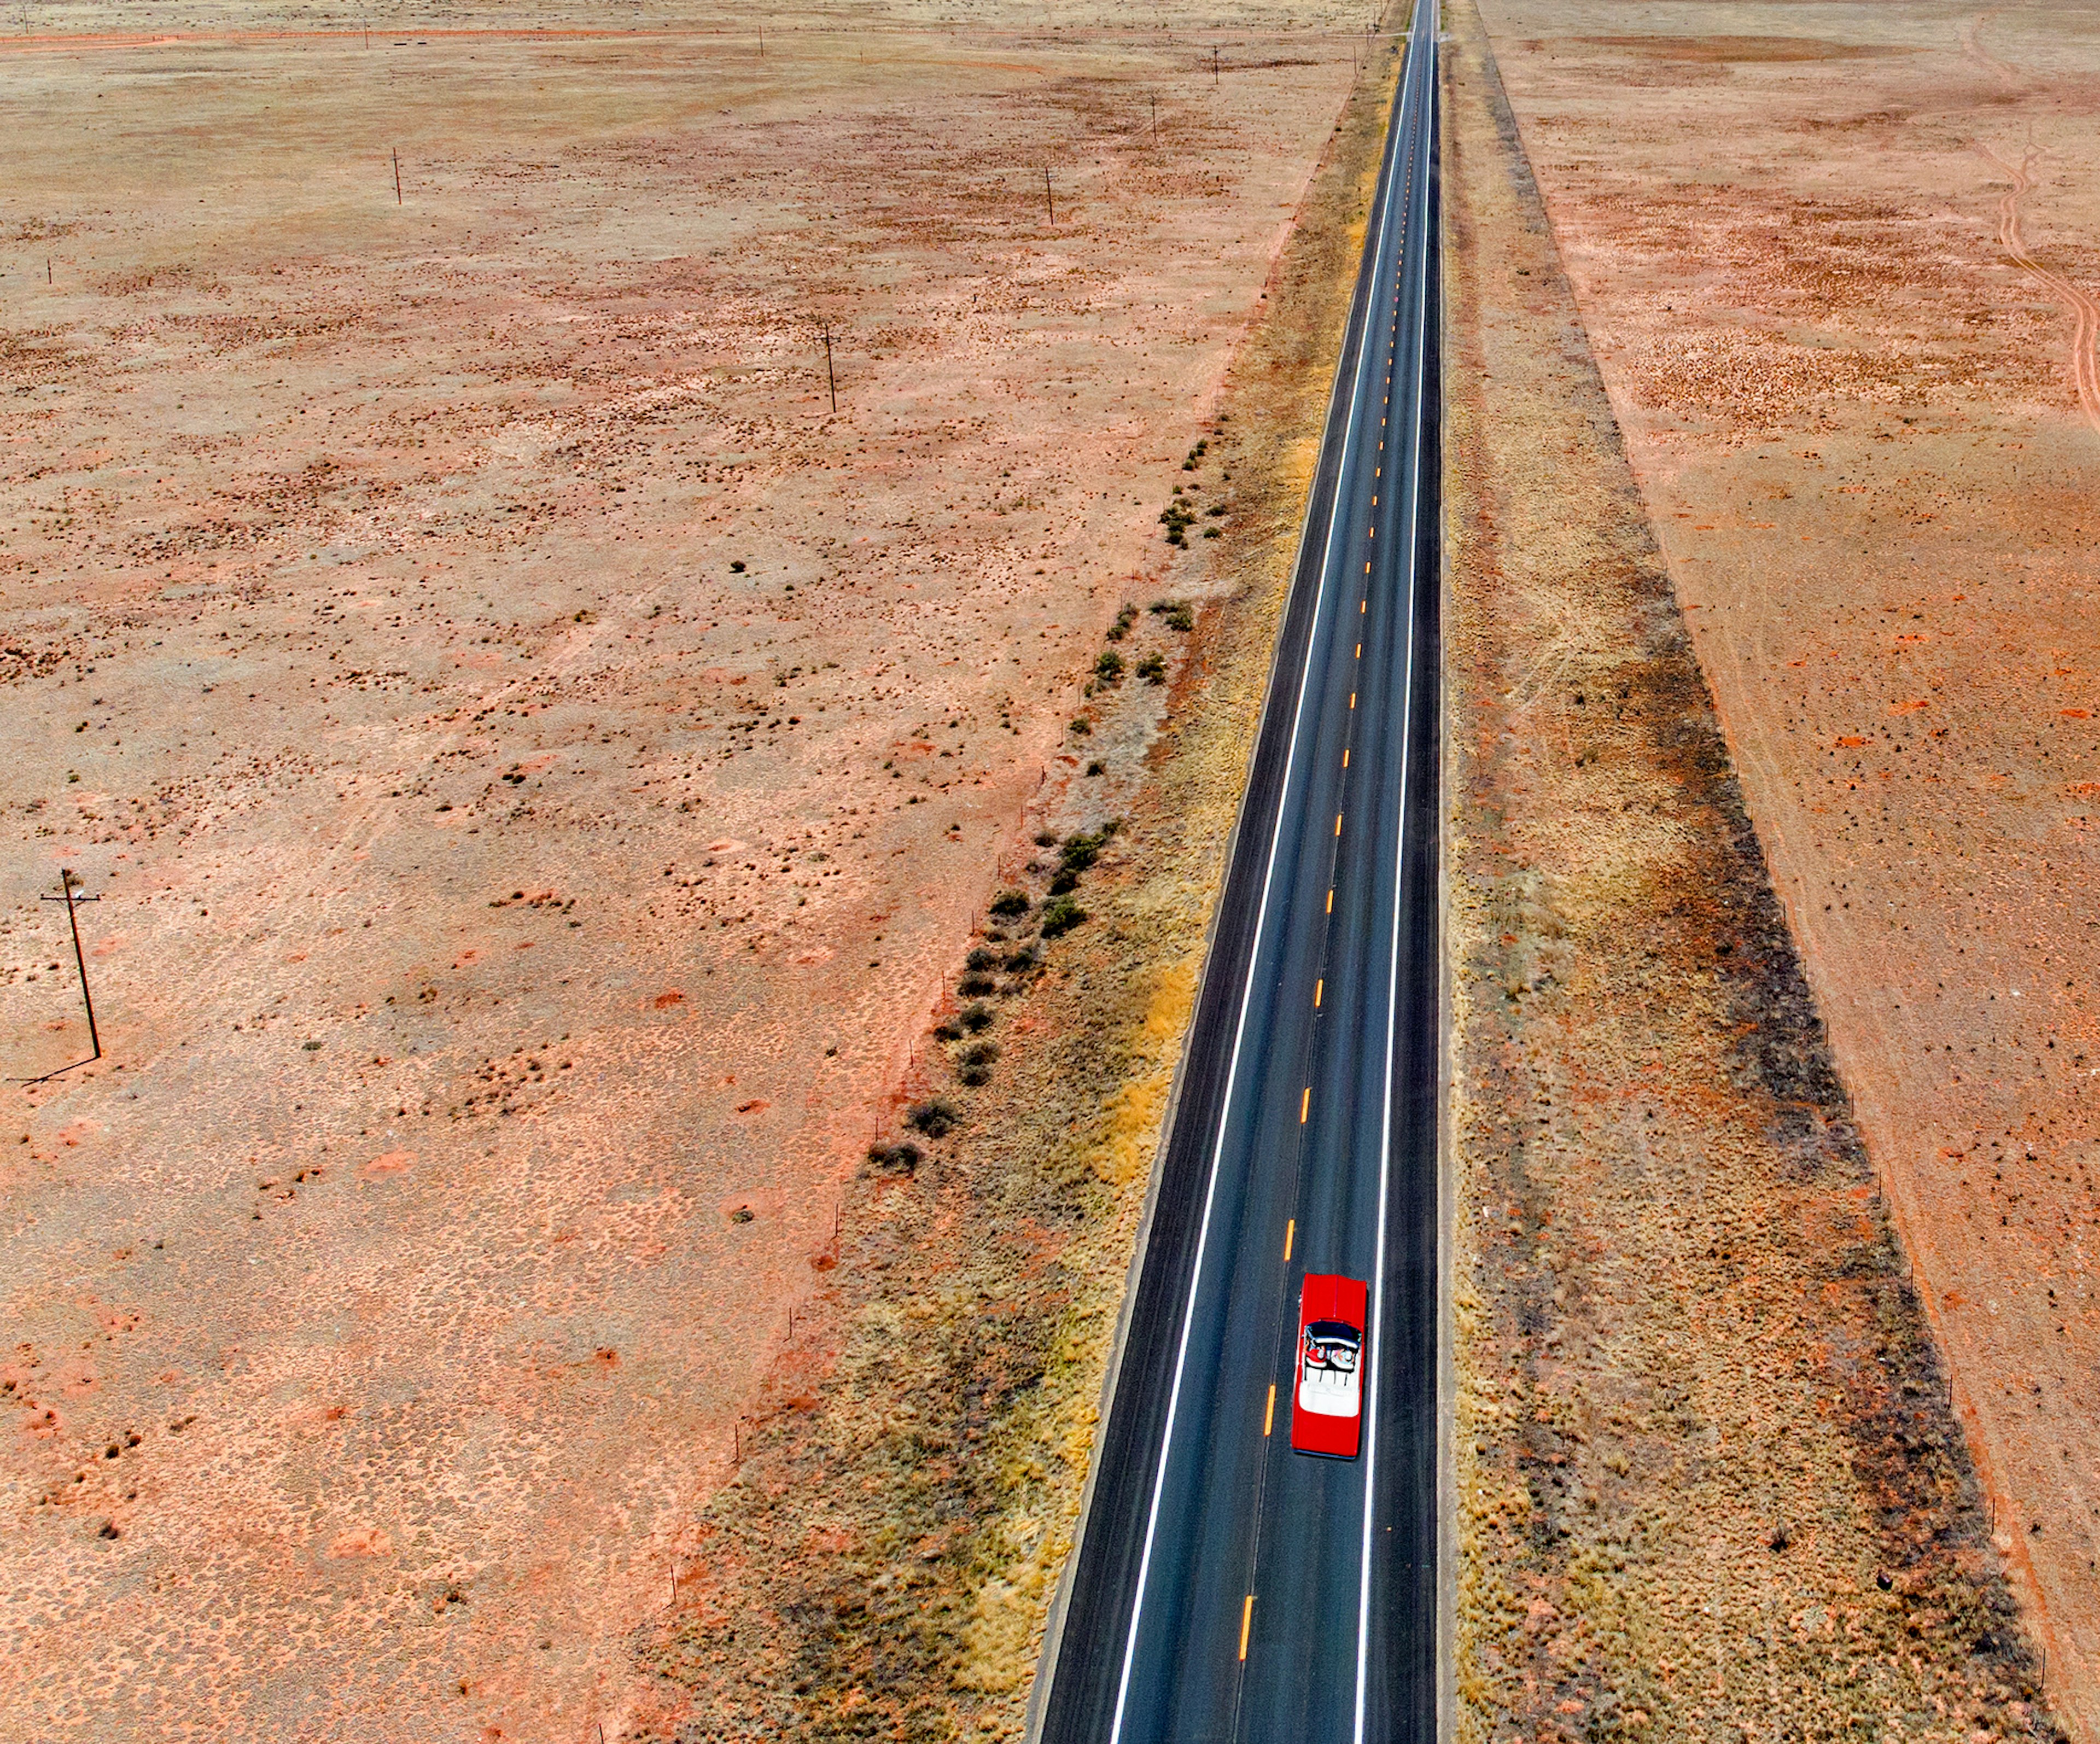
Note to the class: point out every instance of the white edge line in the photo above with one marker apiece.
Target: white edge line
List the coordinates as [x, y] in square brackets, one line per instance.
[1247, 995]
[1392, 972]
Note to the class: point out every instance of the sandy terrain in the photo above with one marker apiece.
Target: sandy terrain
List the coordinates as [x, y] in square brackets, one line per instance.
[1838, 264]
[539, 768]
[1707, 1482]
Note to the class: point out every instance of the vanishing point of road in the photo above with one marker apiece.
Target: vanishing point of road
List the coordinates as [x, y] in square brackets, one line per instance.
[1225, 1588]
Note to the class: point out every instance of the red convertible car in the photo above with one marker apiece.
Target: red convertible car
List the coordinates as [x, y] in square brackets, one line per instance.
[1327, 1410]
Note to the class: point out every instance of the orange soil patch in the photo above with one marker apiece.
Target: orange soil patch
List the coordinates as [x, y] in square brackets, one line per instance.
[539, 766]
[1843, 302]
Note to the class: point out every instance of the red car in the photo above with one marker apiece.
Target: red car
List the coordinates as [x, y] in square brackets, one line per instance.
[1327, 1410]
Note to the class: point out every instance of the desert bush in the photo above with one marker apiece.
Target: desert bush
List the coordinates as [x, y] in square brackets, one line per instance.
[981, 958]
[974, 983]
[1080, 851]
[1109, 667]
[1097, 767]
[936, 1119]
[947, 1031]
[1082, 725]
[976, 1017]
[1066, 880]
[902, 1158]
[1152, 668]
[1060, 915]
[1009, 903]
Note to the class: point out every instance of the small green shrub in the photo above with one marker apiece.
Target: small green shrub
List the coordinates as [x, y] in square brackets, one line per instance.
[981, 958]
[1109, 667]
[1097, 767]
[1067, 880]
[975, 982]
[1082, 725]
[1009, 903]
[1152, 668]
[977, 1017]
[1060, 915]
[1081, 851]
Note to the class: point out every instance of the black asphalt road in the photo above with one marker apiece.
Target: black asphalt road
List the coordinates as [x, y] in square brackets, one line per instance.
[1227, 1588]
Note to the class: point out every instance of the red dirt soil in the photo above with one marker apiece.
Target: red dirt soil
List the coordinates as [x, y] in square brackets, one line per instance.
[538, 766]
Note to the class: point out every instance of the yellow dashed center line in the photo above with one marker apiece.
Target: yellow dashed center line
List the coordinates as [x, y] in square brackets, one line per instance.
[1338, 823]
[1305, 1105]
[1345, 756]
[1317, 986]
[1246, 1623]
[1290, 1238]
[1330, 899]
[1269, 1417]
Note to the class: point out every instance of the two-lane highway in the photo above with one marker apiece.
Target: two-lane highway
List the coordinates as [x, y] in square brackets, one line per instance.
[1225, 1587]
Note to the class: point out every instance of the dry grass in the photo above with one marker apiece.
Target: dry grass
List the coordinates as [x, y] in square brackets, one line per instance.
[1708, 1482]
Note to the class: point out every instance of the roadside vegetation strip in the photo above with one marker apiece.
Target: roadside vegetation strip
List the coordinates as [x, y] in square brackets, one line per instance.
[1700, 1421]
[883, 1563]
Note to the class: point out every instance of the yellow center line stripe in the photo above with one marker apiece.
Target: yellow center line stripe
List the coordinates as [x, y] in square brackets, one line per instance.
[1268, 1416]
[1352, 699]
[1317, 986]
[1330, 899]
[1338, 823]
[1246, 1623]
[1305, 1105]
[1345, 756]
[1289, 1238]
[1360, 651]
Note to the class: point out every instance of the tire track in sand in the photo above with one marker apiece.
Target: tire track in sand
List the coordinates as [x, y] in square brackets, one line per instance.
[2084, 310]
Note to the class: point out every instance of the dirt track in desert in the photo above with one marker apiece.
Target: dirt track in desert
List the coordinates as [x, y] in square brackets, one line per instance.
[1839, 266]
[539, 766]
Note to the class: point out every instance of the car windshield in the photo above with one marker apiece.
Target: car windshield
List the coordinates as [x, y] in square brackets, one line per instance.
[1332, 1343]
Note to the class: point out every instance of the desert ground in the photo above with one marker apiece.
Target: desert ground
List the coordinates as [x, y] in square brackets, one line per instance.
[539, 767]
[1838, 266]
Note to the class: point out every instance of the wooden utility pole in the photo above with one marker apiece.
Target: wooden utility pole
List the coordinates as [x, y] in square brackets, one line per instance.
[829, 376]
[1214, 63]
[68, 885]
[1047, 199]
[397, 177]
